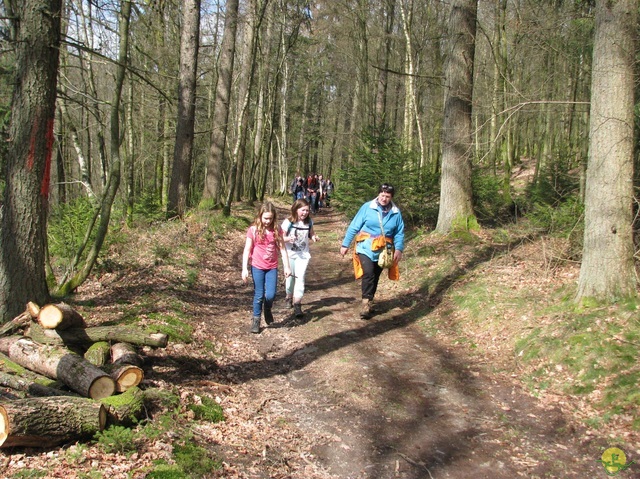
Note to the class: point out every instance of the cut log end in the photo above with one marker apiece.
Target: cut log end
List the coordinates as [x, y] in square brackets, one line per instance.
[127, 377]
[102, 387]
[4, 425]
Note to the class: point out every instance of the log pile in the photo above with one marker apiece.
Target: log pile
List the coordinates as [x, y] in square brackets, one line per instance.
[57, 376]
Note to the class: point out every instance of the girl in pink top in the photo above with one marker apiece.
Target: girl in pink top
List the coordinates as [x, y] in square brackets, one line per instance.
[261, 247]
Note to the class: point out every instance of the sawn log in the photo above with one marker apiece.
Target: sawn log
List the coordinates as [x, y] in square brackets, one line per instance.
[60, 316]
[88, 336]
[59, 363]
[47, 422]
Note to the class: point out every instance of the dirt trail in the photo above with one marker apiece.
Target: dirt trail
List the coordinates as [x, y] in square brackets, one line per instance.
[333, 396]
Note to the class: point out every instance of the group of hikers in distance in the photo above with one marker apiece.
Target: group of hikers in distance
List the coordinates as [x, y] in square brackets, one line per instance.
[314, 188]
[377, 230]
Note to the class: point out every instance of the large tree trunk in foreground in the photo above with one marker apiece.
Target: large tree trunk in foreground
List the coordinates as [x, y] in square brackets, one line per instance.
[47, 422]
[607, 271]
[59, 363]
[23, 216]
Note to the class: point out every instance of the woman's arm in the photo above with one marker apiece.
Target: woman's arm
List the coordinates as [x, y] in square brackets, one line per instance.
[248, 247]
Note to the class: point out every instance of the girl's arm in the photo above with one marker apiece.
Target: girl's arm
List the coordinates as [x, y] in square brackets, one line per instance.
[248, 246]
[284, 254]
[312, 234]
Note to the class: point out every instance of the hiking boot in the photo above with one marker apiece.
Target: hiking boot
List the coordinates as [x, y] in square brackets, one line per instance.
[365, 310]
[268, 316]
[255, 324]
[297, 310]
[288, 301]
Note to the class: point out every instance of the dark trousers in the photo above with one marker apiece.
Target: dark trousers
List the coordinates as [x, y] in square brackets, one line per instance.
[370, 277]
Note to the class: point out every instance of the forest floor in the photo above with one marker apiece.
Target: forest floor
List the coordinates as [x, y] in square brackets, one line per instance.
[406, 394]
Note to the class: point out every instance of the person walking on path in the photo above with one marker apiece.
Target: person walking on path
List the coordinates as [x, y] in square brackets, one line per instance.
[261, 249]
[297, 231]
[377, 224]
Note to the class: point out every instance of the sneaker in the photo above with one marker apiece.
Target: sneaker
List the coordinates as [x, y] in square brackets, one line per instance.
[268, 316]
[297, 309]
[288, 301]
[255, 324]
[365, 309]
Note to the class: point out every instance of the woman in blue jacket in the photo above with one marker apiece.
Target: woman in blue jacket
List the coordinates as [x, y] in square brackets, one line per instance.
[366, 229]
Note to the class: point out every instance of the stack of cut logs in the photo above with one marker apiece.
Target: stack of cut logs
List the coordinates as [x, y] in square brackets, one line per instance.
[58, 375]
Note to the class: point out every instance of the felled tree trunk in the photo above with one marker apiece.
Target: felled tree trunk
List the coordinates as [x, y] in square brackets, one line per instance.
[98, 353]
[59, 363]
[125, 353]
[60, 316]
[125, 409]
[47, 422]
[11, 367]
[88, 336]
[19, 383]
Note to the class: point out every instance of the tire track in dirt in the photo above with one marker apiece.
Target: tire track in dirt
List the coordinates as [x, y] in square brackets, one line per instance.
[382, 399]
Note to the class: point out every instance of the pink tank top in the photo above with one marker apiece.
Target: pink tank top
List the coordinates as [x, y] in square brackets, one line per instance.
[265, 251]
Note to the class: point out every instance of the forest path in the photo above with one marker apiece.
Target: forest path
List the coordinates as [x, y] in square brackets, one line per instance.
[381, 398]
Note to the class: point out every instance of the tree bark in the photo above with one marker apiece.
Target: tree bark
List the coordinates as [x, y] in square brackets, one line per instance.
[47, 422]
[59, 363]
[98, 353]
[212, 191]
[607, 270]
[456, 208]
[28, 160]
[183, 151]
[125, 353]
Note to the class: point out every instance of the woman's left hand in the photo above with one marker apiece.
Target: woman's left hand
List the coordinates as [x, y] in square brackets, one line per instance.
[287, 272]
[397, 256]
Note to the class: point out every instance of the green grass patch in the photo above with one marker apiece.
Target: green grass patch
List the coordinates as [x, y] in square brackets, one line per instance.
[208, 410]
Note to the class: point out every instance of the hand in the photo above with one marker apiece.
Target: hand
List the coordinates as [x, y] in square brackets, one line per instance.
[287, 272]
[315, 238]
[397, 256]
[343, 250]
[245, 274]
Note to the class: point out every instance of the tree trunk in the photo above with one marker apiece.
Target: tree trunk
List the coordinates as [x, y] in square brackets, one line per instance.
[126, 409]
[47, 422]
[177, 201]
[98, 353]
[59, 363]
[125, 353]
[607, 271]
[87, 336]
[28, 160]
[455, 194]
[212, 191]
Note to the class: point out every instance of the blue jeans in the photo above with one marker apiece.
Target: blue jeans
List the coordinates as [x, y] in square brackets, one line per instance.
[264, 288]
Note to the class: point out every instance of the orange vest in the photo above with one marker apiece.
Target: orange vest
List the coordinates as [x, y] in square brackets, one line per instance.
[377, 243]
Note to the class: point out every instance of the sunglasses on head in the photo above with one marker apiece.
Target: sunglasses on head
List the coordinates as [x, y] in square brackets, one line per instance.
[386, 188]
